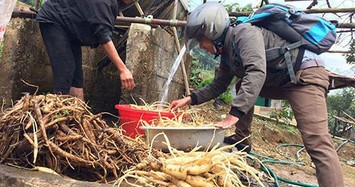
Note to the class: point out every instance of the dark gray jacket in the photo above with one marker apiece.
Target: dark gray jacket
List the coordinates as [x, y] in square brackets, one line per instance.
[244, 56]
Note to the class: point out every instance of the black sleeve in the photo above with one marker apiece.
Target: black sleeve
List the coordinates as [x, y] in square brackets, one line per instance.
[101, 15]
[103, 34]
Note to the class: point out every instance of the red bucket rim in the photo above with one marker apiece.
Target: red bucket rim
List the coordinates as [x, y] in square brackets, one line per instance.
[128, 108]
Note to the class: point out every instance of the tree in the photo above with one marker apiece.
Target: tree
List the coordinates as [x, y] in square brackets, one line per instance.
[350, 57]
[235, 7]
[206, 60]
[343, 101]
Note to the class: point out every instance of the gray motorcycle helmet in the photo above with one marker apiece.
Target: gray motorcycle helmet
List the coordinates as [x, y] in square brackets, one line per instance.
[209, 20]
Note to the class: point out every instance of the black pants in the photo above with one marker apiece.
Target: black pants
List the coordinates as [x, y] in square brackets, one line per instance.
[65, 57]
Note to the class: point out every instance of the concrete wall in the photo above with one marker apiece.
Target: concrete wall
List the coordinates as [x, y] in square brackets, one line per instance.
[25, 58]
[151, 53]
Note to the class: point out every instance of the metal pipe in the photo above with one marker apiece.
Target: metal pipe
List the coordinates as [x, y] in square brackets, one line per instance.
[163, 22]
[126, 20]
[17, 13]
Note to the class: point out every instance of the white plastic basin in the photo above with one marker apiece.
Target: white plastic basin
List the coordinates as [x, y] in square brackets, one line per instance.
[184, 138]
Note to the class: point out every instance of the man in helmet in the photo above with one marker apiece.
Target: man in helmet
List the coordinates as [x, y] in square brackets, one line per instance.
[66, 25]
[242, 50]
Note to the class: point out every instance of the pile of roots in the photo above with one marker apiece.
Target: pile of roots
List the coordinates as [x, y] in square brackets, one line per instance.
[215, 168]
[59, 132]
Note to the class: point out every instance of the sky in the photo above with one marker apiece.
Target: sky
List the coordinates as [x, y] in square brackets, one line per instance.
[333, 62]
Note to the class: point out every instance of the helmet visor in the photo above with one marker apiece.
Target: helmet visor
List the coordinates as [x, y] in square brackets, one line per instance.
[190, 44]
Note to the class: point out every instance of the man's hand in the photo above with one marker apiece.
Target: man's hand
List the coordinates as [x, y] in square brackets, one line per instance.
[126, 76]
[228, 122]
[127, 81]
[180, 103]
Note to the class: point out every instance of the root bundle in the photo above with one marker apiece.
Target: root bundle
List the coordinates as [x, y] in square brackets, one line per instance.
[59, 132]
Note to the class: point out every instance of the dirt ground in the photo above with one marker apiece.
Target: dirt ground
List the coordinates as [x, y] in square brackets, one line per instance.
[275, 140]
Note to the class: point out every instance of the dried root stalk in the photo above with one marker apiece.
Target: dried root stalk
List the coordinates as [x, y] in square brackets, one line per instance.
[208, 169]
[60, 132]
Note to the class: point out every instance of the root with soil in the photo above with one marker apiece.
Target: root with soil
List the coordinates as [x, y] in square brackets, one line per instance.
[59, 132]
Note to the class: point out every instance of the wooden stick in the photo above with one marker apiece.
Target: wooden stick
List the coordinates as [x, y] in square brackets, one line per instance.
[349, 116]
[182, 64]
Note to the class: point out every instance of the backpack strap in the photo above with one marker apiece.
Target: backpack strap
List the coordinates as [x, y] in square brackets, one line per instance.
[291, 72]
[219, 42]
[276, 52]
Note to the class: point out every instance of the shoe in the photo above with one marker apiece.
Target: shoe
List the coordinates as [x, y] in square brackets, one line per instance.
[246, 147]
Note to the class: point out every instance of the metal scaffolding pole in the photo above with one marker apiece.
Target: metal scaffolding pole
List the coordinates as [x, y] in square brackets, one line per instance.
[150, 21]
[17, 13]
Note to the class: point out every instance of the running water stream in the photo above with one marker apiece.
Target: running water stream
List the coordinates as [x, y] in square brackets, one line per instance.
[173, 69]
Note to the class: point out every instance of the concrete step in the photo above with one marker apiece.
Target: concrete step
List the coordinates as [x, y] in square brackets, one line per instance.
[17, 177]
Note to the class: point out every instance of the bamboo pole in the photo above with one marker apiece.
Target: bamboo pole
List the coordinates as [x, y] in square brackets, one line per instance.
[335, 51]
[309, 11]
[139, 8]
[182, 64]
[346, 25]
[175, 10]
[349, 117]
[330, 10]
[343, 31]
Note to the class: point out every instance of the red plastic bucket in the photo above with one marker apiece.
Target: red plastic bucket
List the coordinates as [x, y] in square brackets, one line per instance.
[129, 118]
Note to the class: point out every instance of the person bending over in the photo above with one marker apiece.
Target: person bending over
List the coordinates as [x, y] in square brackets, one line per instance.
[66, 25]
[242, 50]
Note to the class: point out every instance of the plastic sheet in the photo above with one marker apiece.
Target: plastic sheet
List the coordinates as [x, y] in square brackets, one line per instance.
[6, 9]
